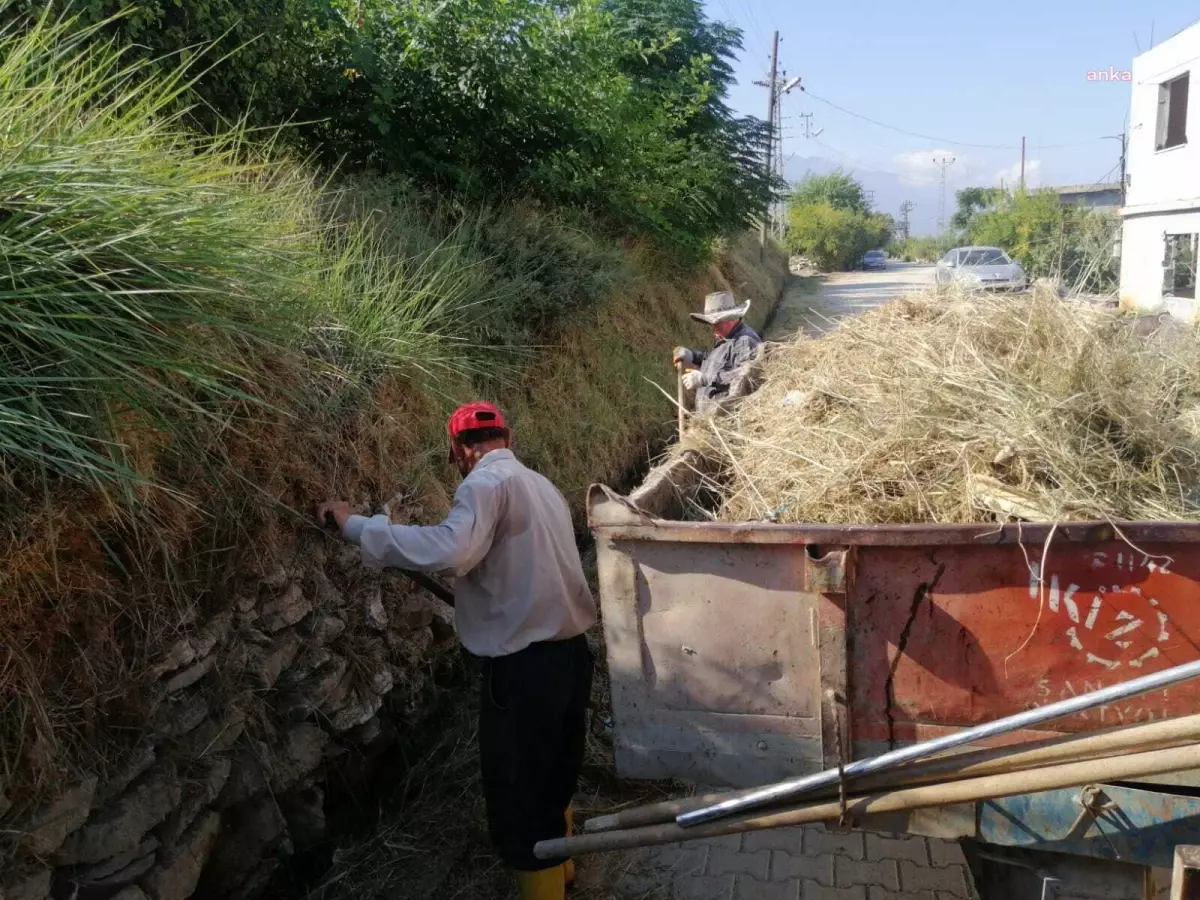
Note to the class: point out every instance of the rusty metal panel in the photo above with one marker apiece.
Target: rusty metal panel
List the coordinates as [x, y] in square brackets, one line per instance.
[951, 636]
[724, 639]
[713, 660]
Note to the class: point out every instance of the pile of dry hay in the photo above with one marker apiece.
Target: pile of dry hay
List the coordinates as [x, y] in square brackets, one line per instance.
[968, 408]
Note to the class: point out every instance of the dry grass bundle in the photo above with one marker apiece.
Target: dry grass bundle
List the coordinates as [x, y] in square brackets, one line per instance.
[966, 408]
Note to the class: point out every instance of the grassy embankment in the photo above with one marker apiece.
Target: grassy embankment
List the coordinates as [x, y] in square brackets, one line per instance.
[202, 336]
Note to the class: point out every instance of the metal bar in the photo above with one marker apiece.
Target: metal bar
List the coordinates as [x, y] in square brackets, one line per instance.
[949, 793]
[795, 786]
[968, 764]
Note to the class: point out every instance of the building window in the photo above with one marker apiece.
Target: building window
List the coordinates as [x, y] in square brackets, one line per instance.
[1172, 113]
[1179, 266]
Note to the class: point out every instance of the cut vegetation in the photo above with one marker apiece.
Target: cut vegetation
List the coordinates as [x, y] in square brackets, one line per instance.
[947, 407]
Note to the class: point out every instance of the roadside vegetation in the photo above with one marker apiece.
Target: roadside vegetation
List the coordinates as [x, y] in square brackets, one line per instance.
[212, 318]
[831, 223]
[1071, 245]
[613, 106]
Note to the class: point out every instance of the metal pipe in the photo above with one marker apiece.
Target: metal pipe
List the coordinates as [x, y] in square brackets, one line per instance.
[679, 398]
[796, 786]
[971, 790]
[968, 764]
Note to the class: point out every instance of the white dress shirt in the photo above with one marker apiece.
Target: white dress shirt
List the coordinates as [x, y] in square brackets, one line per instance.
[510, 542]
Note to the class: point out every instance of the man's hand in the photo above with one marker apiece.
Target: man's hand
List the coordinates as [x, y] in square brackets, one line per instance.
[339, 509]
[693, 379]
[681, 356]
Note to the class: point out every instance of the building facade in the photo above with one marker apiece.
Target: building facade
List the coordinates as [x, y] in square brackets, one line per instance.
[1092, 196]
[1161, 217]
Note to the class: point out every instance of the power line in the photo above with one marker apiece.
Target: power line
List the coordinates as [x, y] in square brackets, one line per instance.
[754, 22]
[925, 137]
[943, 140]
[752, 30]
[738, 22]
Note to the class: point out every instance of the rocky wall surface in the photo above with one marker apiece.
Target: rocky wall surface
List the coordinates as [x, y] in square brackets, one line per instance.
[297, 670]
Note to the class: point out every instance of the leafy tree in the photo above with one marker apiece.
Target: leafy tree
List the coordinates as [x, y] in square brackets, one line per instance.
[837, 189]
[836, 238]
[972, 201]
[616, 106]
[829, 221]
[256, 49]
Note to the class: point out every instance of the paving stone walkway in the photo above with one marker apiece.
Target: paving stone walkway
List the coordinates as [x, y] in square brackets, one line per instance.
[807, 862]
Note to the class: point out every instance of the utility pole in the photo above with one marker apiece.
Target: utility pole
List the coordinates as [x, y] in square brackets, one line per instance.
[905, 208]
[808, 132]
[1123, 137]
[777, 211]
[869, 199]
[772, 85]
[945, 162]
[1022, 162]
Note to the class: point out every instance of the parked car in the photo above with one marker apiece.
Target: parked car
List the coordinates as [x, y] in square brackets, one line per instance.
[874, 259]
[980, 267]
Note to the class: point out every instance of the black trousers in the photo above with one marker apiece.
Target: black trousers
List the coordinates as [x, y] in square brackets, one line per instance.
[532, 729]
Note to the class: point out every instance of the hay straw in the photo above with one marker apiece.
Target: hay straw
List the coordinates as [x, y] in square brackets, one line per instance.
[947, 407]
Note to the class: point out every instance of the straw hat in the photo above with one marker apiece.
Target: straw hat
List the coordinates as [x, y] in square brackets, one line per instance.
[720, 306]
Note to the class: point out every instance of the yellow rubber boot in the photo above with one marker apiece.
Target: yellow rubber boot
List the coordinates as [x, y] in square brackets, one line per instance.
[547, 884]
[569, 865]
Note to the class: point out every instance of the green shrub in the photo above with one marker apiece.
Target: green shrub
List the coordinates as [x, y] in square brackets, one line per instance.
[257, 70]
[835, 238]
[525, 268]
[615, 106]
[925, 249]
[836, 189]
[1069, 243]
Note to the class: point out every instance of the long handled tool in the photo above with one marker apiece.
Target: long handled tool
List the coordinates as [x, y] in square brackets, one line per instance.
[969, 764]
[794, 787]
[418, 578]
[679, 395]
[1047, 778]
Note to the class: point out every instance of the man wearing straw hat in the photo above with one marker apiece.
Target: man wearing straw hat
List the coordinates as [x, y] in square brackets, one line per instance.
[522, 604]
[711, 372]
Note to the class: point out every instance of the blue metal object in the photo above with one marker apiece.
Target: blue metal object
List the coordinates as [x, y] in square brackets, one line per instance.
[1108, 822]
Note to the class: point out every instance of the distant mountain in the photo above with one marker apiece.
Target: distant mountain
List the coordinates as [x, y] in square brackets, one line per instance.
[891, 189]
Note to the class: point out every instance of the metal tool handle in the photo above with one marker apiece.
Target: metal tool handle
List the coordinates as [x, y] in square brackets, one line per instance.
[679, 395]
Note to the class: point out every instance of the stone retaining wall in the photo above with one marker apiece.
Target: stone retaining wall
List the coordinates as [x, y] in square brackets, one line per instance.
[299, 669]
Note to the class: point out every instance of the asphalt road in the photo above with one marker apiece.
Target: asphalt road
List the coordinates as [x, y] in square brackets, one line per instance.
[817, 309]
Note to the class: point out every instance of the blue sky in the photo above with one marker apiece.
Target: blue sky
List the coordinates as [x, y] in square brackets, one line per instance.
[960, 75]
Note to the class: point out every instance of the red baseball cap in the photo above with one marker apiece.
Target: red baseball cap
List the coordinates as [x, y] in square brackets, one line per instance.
[470, 416]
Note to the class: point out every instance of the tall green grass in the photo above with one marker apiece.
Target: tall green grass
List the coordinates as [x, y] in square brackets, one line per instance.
[149, 275]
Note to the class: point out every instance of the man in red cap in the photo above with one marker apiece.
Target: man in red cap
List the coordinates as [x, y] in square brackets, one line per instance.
[523, 605]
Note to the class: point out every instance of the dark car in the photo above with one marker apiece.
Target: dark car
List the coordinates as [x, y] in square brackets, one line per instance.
[874, 259]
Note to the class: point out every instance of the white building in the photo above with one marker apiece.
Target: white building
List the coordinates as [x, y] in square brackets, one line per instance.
[1162, 202]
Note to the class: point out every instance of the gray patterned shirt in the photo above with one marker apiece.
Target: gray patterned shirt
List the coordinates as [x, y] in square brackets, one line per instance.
[720, 365]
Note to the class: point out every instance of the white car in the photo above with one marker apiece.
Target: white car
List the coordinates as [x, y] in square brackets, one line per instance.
[980, 267]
